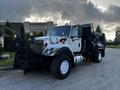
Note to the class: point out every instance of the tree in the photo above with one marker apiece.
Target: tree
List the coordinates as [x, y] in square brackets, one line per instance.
[117, 36]
[8, 30]
[8, 36]
[98, 29]
[1, 39]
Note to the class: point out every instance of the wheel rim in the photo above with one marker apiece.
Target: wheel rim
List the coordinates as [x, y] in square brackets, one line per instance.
[64, 67]
[99, 56]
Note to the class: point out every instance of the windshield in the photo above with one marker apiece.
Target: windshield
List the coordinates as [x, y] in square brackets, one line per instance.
[62, 31]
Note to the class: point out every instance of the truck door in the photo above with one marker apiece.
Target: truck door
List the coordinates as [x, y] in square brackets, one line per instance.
[75, 39]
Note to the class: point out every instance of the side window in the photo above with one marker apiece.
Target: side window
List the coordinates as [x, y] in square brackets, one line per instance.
[74, 32]
[80, 32]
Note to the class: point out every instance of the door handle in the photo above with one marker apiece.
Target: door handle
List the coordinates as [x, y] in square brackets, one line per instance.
[78, 44]
[75, 39]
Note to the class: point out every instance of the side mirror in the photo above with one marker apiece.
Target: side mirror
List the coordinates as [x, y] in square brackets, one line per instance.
[72, 37]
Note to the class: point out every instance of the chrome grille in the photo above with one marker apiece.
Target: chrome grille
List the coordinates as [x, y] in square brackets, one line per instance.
[37, 47]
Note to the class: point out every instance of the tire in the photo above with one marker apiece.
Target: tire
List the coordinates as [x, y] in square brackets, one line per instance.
[61, 66]
[103, 52]
[97, 57]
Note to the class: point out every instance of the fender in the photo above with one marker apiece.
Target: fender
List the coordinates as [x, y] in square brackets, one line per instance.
[54, 49]
[57, 50]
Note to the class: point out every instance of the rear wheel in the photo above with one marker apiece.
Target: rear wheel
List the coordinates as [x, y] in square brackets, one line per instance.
[61, 66]
[97, 57]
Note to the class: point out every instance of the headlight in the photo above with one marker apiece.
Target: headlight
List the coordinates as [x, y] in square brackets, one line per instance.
[50, 51]
[45, 43]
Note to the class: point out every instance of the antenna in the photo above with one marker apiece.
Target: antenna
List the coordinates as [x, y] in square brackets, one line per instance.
[70, 23]
[51, 41]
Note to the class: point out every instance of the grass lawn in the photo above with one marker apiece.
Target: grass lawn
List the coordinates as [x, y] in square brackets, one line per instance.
[7, 62]
[113, 46]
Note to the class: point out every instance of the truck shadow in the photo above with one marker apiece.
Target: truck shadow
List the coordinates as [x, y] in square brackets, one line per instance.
[45, 72]
[82, 69]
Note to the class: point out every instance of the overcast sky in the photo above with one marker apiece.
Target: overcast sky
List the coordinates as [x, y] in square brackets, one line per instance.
[103, 12]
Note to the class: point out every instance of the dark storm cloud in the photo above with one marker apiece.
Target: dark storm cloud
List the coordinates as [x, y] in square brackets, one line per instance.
[113, 15]
[75, 10]
[78, 11]
[14, 10]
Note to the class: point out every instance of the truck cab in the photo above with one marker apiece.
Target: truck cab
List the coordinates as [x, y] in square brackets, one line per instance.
[67, 36]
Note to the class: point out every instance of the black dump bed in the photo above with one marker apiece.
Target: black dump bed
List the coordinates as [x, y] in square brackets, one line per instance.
[101, 40]
[91, 39]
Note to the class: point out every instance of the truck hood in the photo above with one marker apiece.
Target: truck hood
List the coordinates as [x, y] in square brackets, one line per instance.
[50, 39]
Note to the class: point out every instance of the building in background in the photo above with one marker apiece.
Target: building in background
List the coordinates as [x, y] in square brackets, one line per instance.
[29, 26]
[38, 27]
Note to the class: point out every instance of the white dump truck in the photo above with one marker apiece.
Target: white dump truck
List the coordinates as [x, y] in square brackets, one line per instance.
[60, 49]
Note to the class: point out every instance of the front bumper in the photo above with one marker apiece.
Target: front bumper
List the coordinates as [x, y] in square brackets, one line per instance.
[39, 59]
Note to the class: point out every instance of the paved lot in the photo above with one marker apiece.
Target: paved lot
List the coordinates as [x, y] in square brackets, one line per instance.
[103, 76]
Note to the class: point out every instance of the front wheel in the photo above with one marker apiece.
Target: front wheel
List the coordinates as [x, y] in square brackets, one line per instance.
[61, 66]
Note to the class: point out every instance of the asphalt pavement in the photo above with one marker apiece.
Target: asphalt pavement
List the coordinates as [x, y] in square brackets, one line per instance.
[85, 76]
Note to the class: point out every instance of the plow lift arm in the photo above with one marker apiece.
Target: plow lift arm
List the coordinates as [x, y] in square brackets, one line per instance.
[22, 53]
